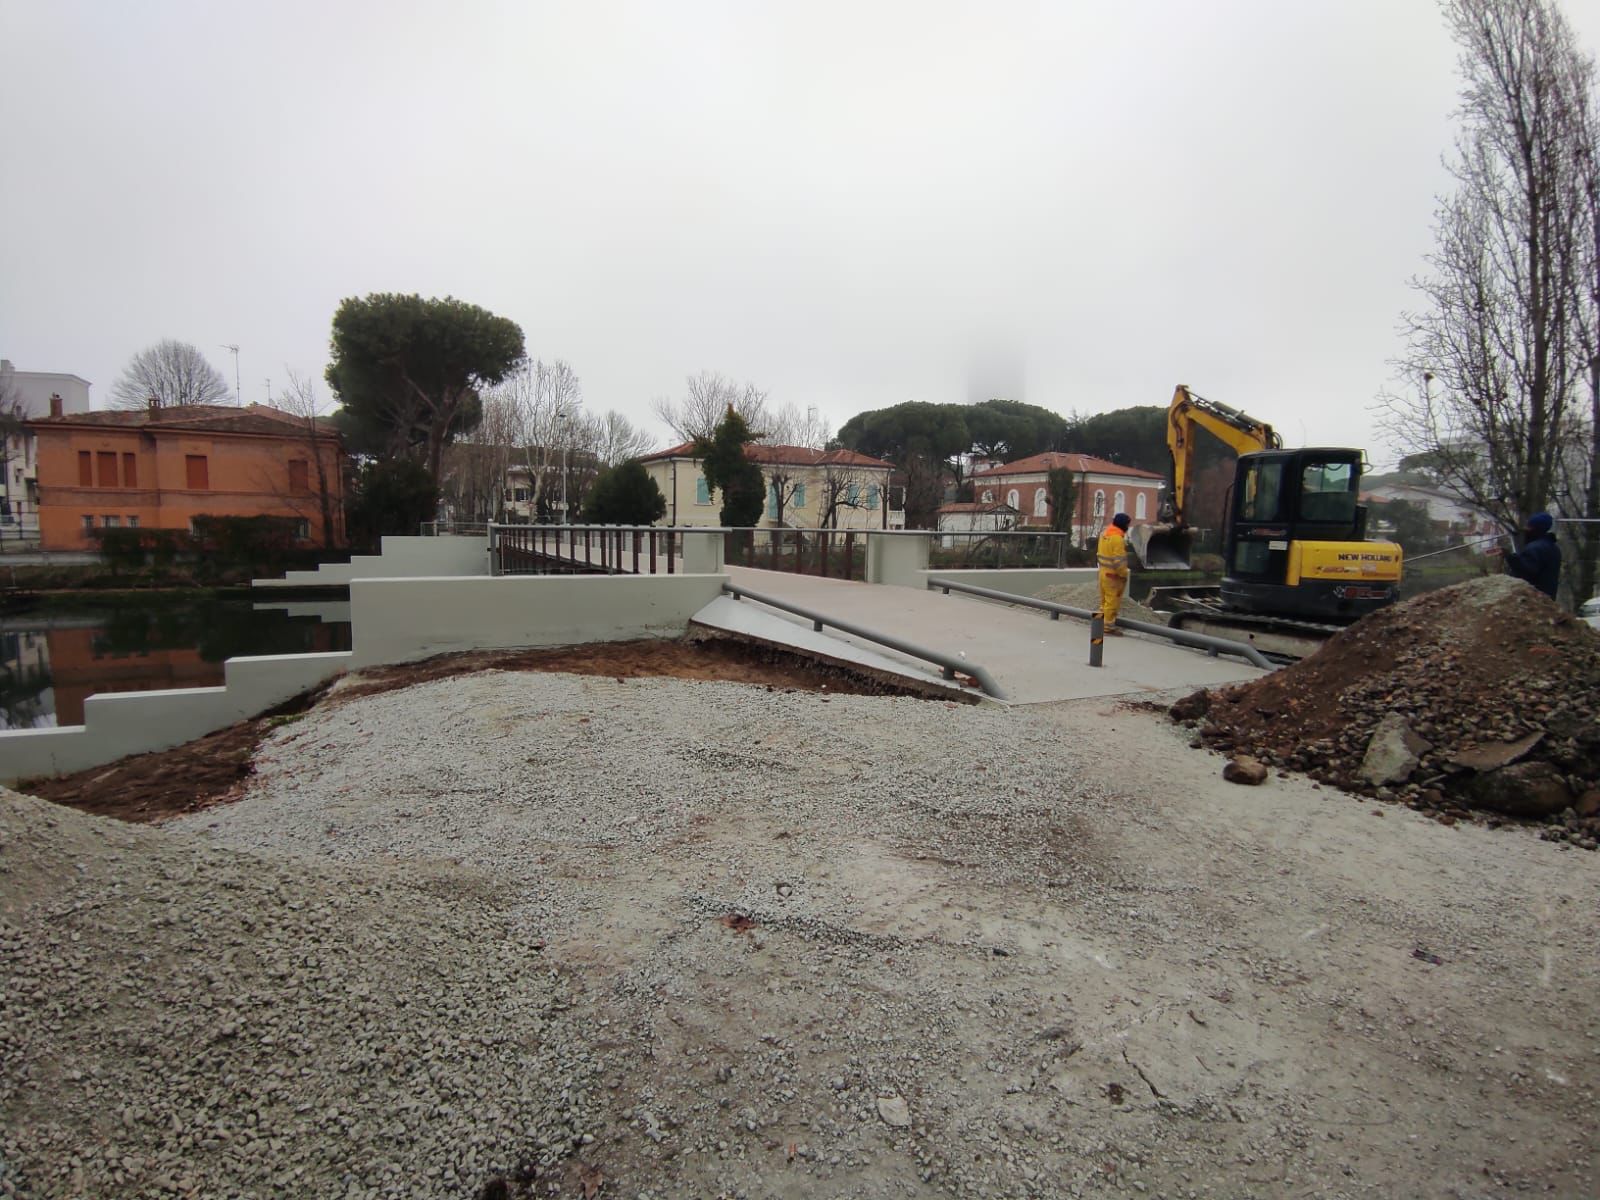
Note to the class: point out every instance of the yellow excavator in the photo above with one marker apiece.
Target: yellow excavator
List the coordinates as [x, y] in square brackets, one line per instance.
[1295, 554]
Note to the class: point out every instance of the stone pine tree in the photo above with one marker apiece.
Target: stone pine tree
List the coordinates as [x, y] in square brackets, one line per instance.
[729, 471]
[411, 369]
[625, 495]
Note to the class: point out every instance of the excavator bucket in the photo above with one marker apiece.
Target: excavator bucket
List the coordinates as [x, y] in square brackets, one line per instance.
[1161, 547]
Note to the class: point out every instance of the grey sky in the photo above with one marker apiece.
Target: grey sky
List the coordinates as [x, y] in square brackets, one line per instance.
[850, 204]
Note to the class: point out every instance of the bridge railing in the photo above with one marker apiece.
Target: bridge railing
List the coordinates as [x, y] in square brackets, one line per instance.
[585, 550]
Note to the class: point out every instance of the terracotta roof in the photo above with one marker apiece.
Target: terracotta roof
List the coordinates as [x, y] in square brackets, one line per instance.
[791, 456]
[1078, 464]
[208, 418]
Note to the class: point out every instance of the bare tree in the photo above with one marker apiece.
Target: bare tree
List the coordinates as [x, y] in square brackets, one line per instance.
[614, 439]
[707, 396]
[1492, 354]
[845, 486]
[795, 430]
[170, 373]
[300, 401]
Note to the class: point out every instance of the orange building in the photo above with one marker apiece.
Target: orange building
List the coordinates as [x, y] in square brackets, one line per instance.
[160, 468]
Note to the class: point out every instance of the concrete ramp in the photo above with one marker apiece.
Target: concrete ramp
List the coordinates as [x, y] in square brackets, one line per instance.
[1036, 660]
[759, 622]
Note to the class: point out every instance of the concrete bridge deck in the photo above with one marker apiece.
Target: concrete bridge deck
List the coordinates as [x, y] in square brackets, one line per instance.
[1036, 660]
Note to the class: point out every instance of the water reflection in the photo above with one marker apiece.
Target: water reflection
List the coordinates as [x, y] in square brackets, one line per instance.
[50, 664]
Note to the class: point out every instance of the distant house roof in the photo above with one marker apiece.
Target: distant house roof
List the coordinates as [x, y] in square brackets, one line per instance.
[970, 506]
[199, 418]
[1078, 464]
[789, 456]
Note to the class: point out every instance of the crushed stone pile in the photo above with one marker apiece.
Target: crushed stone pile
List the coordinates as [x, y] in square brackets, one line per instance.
[178, 1019]
[1087, 595]
[1475, 700]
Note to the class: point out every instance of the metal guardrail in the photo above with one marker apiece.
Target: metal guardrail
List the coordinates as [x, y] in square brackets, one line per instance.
[951, 665]
[1198, 641]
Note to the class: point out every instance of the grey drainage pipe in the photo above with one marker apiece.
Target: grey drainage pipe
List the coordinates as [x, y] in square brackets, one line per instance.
[1184, 637]
[951, 664]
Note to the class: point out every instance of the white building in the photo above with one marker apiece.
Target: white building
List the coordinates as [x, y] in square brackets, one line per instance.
[1101, 489]
[1457, 519]
[23, 396]
[973, 517]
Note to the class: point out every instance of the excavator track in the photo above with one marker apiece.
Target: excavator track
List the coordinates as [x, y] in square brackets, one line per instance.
[1200, 610]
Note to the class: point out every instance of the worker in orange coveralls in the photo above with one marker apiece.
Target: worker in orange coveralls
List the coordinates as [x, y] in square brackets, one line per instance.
[1113, 554]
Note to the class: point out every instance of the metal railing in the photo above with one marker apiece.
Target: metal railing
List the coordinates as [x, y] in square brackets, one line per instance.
[1199, 641]
[1005, 549]
[454, 528]
[829, 553]
[950, 665]
[584, 550]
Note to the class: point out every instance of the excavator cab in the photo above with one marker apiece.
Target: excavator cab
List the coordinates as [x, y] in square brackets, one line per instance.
[1294, 538]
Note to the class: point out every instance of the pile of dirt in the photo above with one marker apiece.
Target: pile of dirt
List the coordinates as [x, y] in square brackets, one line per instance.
[1475, 700]
[1087, 595]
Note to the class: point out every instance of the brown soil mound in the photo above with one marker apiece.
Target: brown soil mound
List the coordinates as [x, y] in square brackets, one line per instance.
[213, 769]
[1497, 689]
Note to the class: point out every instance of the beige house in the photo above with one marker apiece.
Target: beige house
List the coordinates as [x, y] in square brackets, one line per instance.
[806, 488]
[1102, 488]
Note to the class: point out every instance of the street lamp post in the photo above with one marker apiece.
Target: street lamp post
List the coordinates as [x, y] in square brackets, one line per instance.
[565, 427]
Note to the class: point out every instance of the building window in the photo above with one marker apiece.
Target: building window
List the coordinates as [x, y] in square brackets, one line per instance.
[772, 502]
[198, 477]
[130, 470]
[88, 524]
[1122, 503]
[302, 529]
[133, 522]
[1014, 499]
[111, 522]
[106, 468]
[872, 495]
[1041, 502]
[1099, 505]
[852, 495]
[799, 495]
[1140, 505]
[988, 496]
[85, 469]
[299, 475]
[702, 493]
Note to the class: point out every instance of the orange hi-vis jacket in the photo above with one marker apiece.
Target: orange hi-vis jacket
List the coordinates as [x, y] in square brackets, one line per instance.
[1113, 553]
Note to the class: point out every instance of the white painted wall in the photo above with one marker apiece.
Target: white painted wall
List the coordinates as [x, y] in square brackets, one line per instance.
[400, 557]
[1020, 582]
[898, 559]
[116, 724]
[401, 620]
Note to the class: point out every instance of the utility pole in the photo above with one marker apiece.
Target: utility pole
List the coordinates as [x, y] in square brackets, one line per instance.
[238, 392]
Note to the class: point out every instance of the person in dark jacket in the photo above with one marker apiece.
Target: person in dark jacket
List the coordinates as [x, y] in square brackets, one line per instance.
[1539, 560]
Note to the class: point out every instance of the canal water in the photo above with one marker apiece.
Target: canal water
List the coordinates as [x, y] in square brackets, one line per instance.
[51, 662]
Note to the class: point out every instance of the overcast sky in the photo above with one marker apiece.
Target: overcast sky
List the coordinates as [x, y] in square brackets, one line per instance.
[855, 204]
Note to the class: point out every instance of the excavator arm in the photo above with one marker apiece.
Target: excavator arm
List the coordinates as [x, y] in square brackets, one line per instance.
[1165, 546]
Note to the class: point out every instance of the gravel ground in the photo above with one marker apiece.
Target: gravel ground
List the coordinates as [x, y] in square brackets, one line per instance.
[764, 944]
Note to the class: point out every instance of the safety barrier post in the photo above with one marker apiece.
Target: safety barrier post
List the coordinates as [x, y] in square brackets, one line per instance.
[1097, 638]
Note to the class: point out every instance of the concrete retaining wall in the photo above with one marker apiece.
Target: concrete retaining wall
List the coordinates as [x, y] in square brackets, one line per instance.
[898, 558]
[401, 620]
[1020, 582]
[121, 723]
[401, 557]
